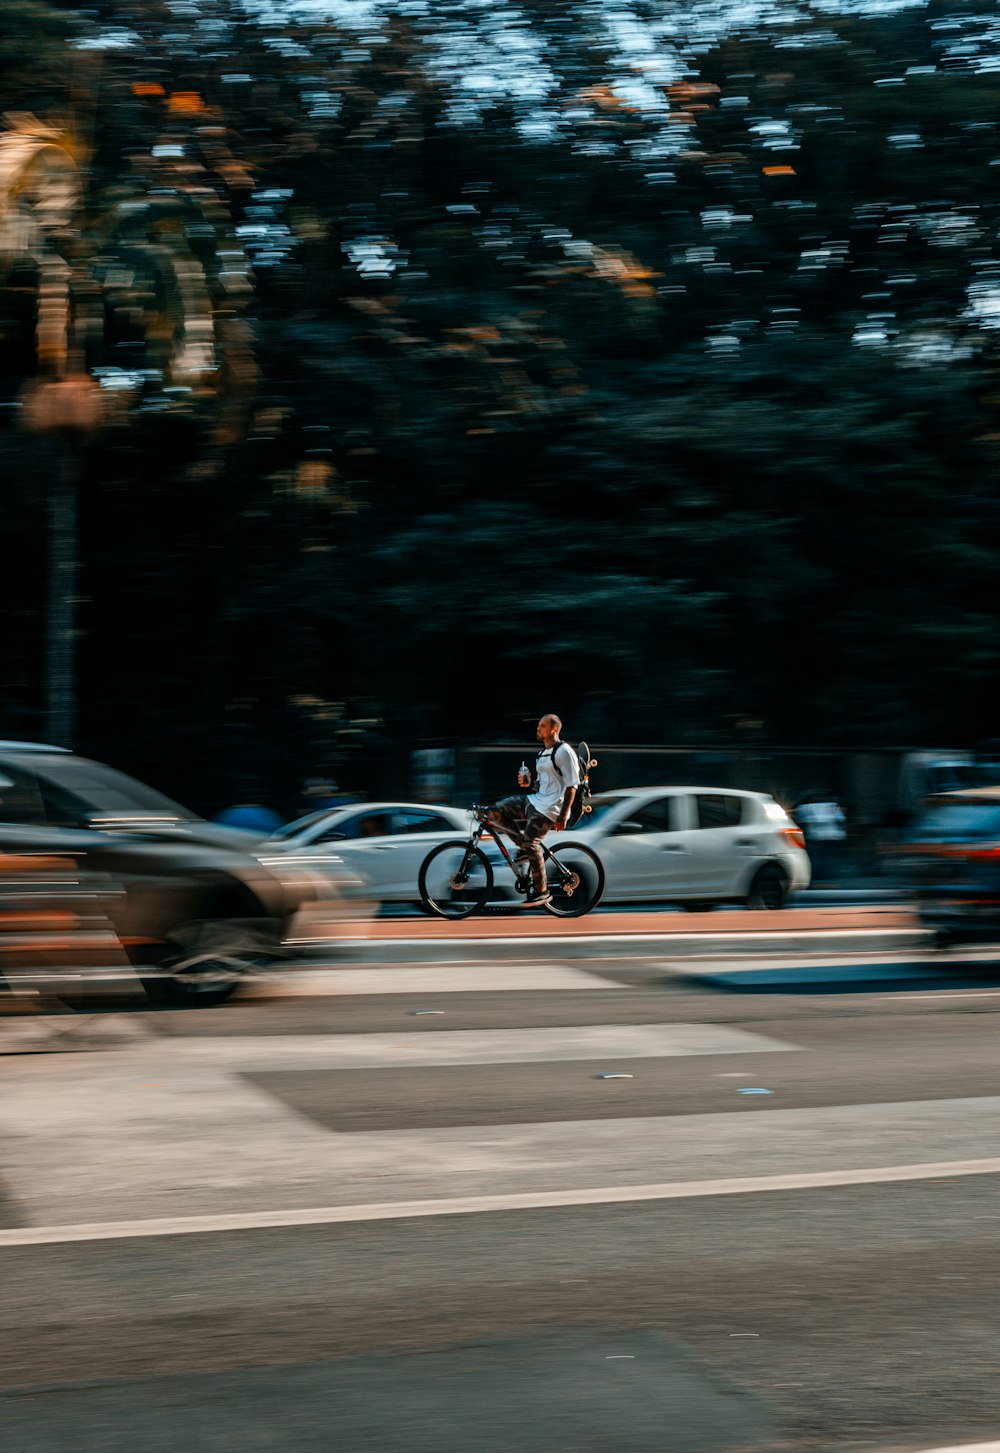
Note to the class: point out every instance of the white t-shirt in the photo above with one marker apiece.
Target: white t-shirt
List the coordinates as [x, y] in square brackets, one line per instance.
[551, 787]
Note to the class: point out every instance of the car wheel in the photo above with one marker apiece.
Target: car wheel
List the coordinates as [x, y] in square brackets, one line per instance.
[768, 890]
[201, 963]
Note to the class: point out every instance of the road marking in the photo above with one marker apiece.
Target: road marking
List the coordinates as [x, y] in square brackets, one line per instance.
[47, 1033]
[427, 979]
[948, 994]
[474, 1046]
[664, 937]
[480, 1205]
[966, 1448]
[312, 966]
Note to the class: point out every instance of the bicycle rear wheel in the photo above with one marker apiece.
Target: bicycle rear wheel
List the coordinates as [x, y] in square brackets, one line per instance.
[576, 880]
[455, 880]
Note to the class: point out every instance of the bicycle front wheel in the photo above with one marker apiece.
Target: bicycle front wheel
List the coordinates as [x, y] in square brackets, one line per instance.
[576, 880]
[455, 880]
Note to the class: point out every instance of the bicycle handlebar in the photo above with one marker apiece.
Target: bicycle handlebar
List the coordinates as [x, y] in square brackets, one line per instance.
[481, 814]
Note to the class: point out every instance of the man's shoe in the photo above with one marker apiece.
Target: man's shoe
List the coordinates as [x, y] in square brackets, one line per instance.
[538, 898]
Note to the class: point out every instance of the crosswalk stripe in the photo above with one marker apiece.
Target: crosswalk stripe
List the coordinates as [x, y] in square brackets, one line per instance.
[993, 1447]
[478, 1205]
[475, 1046]
[428, 979]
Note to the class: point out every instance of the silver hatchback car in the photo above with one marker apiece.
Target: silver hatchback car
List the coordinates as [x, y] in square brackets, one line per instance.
[695, 846]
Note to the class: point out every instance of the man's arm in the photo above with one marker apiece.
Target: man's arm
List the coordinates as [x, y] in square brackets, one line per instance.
[570, 761]
[564, 809]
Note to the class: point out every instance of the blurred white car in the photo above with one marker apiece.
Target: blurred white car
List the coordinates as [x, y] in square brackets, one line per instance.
[694, 846]
[382, 843]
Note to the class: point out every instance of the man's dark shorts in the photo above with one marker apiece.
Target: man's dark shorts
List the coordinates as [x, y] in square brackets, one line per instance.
[526, 826]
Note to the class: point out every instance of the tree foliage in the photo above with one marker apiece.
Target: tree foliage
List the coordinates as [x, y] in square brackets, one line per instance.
[663, 396]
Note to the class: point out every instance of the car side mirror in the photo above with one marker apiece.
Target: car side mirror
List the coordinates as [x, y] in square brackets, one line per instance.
[628, 828]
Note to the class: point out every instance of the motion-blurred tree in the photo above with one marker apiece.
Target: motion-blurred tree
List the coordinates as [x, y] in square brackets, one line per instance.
[672, 388]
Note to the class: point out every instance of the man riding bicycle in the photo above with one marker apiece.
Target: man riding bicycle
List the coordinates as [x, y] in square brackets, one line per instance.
[527, 817]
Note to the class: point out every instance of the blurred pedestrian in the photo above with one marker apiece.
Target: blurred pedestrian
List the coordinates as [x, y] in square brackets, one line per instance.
[251, 816]
[825, 828]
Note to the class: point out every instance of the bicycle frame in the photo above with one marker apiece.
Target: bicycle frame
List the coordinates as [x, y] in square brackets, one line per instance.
[457, 877]
[484, 827]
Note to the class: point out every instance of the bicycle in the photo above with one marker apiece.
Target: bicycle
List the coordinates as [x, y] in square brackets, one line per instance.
[456, 878]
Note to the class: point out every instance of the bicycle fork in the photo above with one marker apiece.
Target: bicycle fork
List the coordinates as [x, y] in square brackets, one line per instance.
[566, 879]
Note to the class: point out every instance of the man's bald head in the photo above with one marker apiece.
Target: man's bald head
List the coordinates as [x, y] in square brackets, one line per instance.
[548, 729]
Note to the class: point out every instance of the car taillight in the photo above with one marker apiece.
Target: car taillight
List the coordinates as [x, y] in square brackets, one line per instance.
[794, 836]
[912, 852]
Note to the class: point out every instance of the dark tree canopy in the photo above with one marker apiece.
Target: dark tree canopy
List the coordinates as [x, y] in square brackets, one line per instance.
[652, 381]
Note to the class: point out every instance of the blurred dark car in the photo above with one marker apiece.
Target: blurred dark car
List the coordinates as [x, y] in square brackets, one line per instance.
[103, 879]
[951, 860]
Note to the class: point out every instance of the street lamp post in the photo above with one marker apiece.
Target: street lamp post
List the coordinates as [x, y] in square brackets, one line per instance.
[66, 410]
[40, 195]
[187, 305]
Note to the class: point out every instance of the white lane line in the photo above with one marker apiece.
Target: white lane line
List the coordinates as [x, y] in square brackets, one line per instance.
[307, 965]
[948, 994]
[478, 1205]
[547, 941]
[426, 979]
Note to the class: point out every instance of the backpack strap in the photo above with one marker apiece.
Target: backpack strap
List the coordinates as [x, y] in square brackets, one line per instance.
[555, 764]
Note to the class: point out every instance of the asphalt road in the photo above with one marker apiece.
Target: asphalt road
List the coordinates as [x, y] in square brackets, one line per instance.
[401, 1211]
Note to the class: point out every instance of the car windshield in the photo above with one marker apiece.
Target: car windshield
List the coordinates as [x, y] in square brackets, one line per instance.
[958, 822]
[951, 776]
[300, 824]
[103, 792]
[601, 806]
